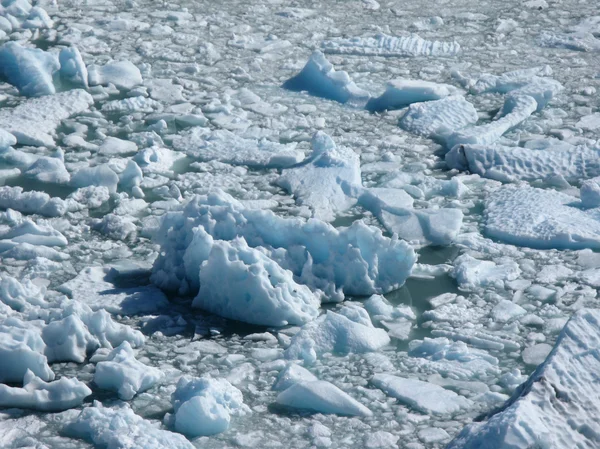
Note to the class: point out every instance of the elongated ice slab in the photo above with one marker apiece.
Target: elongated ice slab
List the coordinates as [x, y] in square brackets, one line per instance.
[384, 45]
[403, 92]
[558, 404]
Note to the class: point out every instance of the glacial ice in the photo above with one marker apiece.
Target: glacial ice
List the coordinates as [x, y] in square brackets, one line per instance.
[319, 183]
[357, 260]
[292, 374]
[123, 74]
[204, 406]
[319, 78]
[36, 394]
[350, 330]
[29, 70]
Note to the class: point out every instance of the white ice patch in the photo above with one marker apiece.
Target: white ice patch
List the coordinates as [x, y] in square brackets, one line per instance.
[319, 183]
[473, 274]
[36, 394]
[222, 145]
[34, 122]
[403, 92]
[558, 401]
[543, 219]
[422, 396]
[31, 202]
[121, 372]
[122, 74]
[319, 78]
[384, 45]
[321, 397]
[204, 406]
[292, 374]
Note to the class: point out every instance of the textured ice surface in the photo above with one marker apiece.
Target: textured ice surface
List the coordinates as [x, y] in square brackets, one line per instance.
[384, 45]
[319, 184]
[34, 122]
[502, 163]
[123, 74]
[440, 118]
[557, 405]
[403, 92]
[540, 218]
[319, 78]
[204, 406]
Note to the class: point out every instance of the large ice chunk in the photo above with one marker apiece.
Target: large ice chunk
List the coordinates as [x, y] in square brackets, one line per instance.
[349, 331]
[440, 118]
[292, 374]
[385, 45]
[319, 78]
[34, 122]
[504, 163]
[99, 176]
[318, 183]
[121, 372]
[72, 67]
[321, 397]
[559, 403]
[471, 273]
[120, 428]
[422, 396]
[403, 92]
[223, 145]
[204, 406]
[31, 202]
[36, 394]
[29, 70]
[526, 216]
[356, 260]
[123, 74]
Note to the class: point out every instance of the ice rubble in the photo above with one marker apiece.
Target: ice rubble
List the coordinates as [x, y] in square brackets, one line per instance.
[36, 394]
[34, 122]
[321, 397]
[204, 406]
[120, 427]
[319, 182]
[400, 93]
[205, 145]
[319, 78]
[527, 216]
[350, 330]
[357, 260]
[120, 371]
[558, 405]
[385, 45]
[502, 163]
